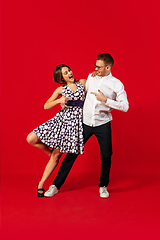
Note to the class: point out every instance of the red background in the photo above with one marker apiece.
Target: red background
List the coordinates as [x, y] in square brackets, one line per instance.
[38, 35]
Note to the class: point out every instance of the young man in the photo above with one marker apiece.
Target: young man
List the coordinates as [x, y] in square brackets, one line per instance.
[103, 93]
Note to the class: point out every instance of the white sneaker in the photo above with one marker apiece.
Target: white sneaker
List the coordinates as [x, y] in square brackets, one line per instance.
[103, 192]
[51, 191]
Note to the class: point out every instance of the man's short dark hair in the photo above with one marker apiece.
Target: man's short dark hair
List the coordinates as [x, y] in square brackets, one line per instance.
[107, 58]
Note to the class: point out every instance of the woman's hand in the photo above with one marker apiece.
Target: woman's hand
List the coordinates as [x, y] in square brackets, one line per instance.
[54, 100]
[62, 105]
[63, 100]
[93, 74]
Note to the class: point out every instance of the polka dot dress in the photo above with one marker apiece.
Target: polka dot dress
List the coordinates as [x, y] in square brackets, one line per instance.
[65, 131]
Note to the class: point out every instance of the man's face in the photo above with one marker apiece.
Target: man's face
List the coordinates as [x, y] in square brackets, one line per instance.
[101, 68]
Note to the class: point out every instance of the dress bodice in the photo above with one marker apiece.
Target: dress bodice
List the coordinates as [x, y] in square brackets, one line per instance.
[79, 94]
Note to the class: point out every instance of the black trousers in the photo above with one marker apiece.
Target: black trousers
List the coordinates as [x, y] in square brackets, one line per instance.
[103, 135]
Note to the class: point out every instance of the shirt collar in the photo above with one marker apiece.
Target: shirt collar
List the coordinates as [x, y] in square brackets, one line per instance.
[105, 77]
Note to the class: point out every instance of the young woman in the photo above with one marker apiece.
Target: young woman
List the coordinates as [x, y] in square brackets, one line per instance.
[64, 132]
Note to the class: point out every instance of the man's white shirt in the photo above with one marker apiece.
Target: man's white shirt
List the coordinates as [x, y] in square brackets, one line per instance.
[96, 113]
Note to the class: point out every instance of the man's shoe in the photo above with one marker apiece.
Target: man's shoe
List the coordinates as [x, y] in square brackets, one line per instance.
[103, 192]
[51, 191]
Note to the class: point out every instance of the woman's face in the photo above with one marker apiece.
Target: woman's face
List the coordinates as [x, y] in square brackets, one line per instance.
[67, 75]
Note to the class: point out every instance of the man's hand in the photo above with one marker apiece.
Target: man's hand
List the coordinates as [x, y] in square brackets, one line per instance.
[100, 96]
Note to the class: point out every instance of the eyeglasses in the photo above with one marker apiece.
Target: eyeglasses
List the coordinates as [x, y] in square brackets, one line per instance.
[100, 66]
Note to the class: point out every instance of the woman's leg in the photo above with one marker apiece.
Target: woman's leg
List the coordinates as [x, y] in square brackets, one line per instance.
[53, 162]
[69, 160]
[33, 140]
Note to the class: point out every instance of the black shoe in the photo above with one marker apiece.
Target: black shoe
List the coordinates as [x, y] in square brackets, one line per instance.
[40, 194]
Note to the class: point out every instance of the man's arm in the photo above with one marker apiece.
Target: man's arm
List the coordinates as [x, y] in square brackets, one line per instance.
[120, 103]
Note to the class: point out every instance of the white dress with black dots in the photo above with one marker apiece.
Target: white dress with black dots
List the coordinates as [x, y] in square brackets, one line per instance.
[65, 130]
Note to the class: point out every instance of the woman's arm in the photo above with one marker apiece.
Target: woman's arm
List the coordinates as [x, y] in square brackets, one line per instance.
[53, 100]
[83, 82]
